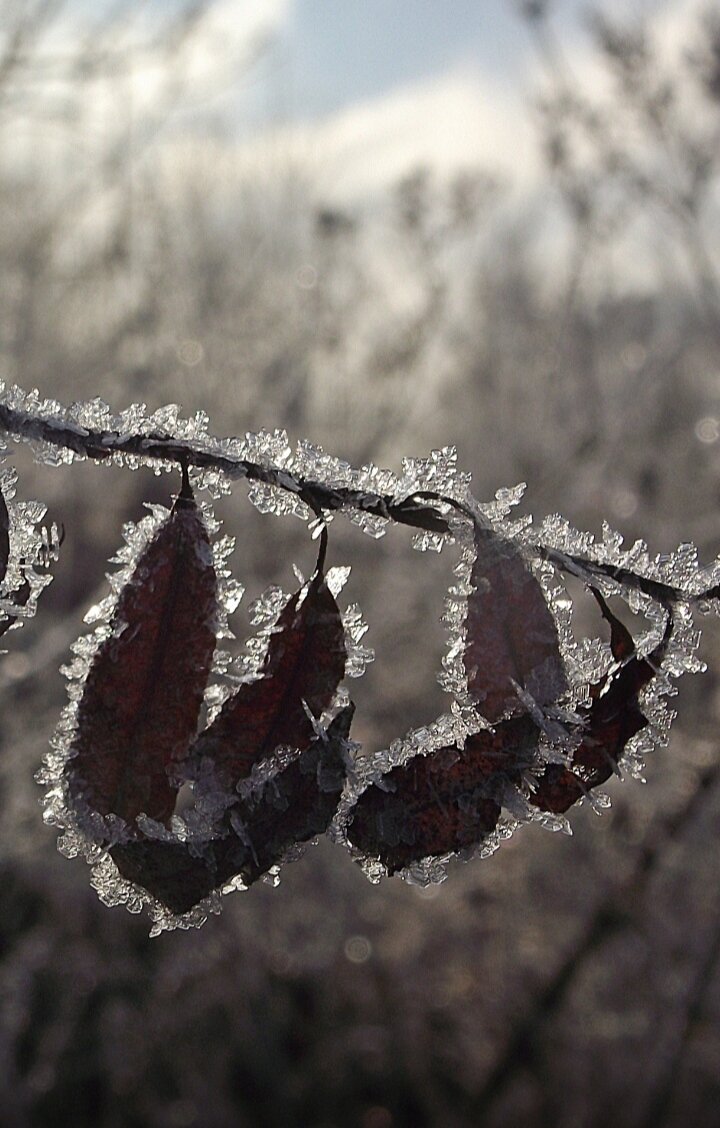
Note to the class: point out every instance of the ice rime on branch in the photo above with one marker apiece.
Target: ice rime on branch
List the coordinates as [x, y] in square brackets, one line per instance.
[536, 716]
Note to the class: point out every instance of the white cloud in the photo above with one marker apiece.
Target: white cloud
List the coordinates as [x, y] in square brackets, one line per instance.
[456, 121]
[448, 123]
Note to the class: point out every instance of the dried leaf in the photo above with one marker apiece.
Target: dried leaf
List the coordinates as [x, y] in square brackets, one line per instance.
[303, 666]
[612, 719]
[293, 806]
[443, 802]
[511, 633]
[143, 692]
[168, 870]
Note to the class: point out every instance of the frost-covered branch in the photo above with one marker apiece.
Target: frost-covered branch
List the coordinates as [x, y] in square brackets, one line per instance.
[538, 720]
[56, 429]
[88, 430]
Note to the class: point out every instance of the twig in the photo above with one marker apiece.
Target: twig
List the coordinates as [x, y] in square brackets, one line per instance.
[418, 510]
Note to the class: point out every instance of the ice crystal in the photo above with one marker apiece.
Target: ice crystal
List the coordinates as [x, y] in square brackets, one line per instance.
[268, 498]
[429, 542]
[358, 657]
[437, 474]
[371, 524]
[312, 462]
[32, 548]
[506, 498]
[268, 448]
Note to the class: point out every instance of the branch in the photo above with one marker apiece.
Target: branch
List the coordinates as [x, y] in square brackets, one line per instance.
[418, 510]
[158, 446]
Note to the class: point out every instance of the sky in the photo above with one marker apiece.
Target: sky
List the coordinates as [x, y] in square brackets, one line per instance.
[371, 88]
[346, 52]
[365, 90]
[342, 51]
[362, 90]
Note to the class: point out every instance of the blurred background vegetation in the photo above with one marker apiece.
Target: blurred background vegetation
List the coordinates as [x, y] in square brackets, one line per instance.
[571, 342]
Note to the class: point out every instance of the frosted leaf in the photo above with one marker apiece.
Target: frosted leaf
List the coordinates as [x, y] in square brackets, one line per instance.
[90, 832]
[370, 769]
[586, 663]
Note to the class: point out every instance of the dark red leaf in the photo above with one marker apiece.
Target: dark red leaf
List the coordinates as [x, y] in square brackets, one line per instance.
[612, 719]
[295, 805]
[443, 802]
[511, 633]
[167, 870]
[143, 692]
[303, 666]
[622, 645]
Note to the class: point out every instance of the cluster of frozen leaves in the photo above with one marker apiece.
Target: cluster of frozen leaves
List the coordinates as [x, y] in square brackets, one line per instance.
[182, 773]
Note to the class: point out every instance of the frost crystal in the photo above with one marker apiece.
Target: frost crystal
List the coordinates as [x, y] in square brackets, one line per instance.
[30, 550]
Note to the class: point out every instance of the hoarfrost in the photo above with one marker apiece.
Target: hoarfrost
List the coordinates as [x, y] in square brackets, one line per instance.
[429, 542]
[586, 662]
[313, 463]
[336, 579]
[31, 548]
[278, 475]
[505, 499]
[268, 498]
[372, 525]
